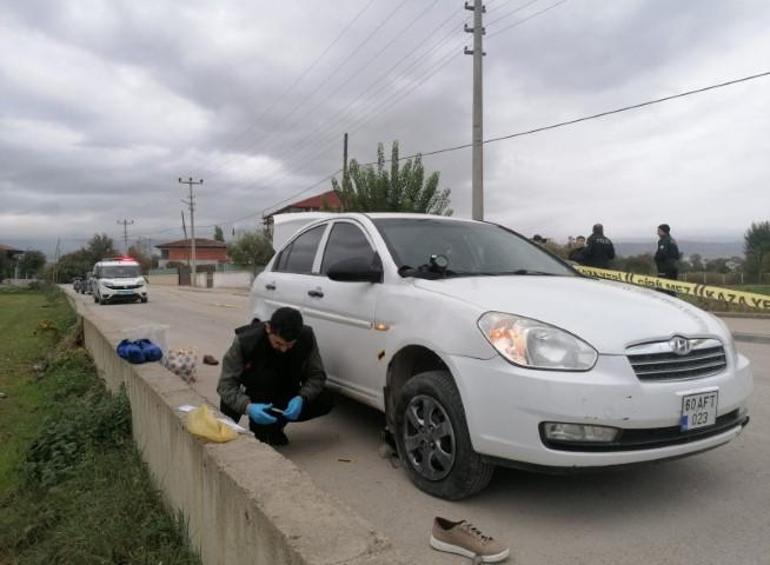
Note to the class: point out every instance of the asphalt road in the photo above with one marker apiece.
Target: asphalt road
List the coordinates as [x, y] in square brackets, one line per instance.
[713, 508]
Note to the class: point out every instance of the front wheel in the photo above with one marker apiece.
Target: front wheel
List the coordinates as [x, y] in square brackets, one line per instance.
[433, 440]
[144, 300]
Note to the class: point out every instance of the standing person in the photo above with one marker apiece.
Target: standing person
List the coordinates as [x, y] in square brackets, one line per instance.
[667, 255]
[599, 250]
[274, 365]
[578, 249]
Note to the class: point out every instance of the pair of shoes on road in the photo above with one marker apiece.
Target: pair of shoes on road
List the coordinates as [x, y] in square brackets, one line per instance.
[276, 438]
[139, 351]
[463, 538]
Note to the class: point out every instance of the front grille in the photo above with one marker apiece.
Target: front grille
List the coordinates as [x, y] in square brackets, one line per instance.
[660, 361]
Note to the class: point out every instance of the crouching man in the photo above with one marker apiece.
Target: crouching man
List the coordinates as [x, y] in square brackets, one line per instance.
[273, 373]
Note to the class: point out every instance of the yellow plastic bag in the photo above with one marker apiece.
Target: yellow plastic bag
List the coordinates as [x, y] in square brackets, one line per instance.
[202, 422]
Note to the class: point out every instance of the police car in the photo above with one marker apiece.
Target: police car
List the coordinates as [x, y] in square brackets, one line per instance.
[118, 279]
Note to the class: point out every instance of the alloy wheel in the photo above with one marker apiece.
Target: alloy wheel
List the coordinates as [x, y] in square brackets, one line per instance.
[429, 438]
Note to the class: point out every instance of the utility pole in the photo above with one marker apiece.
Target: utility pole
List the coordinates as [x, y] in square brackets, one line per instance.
[57, 255]
[187, 247]
[191, 203]
[478, 31]
[125, 224]
[345, 160]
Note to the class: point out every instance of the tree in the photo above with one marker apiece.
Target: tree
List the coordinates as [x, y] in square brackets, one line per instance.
[75, 264]
[31, 264]
[696, 262]
[101, 246]
[251, 249]
[5, 266]
[642, 264]
[402, 189]
[757, 249]
[144, 261]
[219, 235]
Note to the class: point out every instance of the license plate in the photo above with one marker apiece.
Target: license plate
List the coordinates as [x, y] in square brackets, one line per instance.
[699, 410]
[125, 292]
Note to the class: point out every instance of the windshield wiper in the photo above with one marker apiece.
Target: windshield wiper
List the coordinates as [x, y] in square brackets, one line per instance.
[502, 273]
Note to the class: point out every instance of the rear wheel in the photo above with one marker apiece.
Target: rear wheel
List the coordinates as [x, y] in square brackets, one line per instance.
[433, 440]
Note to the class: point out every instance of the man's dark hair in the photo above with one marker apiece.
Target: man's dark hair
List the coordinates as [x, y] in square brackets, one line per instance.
[598, 229]
[580, 237]
[286, 323]
[665, 228]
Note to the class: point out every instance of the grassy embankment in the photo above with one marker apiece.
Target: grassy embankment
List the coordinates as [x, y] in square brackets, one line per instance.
[73, 488]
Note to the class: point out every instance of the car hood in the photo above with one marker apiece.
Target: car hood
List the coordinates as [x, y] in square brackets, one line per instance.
[607, 314]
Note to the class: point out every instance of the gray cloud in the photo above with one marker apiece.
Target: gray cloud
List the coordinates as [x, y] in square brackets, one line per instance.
[105, 104]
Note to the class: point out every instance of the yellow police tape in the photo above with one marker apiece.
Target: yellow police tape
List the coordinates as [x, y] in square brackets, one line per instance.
[750, 299]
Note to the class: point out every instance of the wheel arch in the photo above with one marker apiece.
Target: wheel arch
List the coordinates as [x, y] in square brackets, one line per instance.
[409, 361]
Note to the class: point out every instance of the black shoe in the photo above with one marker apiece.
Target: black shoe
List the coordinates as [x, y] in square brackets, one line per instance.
[278, 439]
[275, 438]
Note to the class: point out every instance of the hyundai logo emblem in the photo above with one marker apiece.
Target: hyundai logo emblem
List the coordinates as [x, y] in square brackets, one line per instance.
[680, 345]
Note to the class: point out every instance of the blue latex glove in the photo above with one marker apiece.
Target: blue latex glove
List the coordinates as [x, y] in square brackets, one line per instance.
[258, 415]
[294, 408]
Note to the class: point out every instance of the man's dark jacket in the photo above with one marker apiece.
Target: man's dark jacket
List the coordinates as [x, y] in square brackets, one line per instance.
[599, 251]
[667, 255]
[251, 367]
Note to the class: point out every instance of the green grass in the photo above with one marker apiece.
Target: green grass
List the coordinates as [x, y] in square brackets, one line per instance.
[73, 488]
[758, 288]
[22, 344]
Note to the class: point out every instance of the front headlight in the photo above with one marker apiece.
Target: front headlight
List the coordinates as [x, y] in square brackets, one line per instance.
[536, 345]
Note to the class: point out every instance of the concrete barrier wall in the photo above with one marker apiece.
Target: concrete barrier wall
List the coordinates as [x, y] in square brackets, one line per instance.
[163, 280]
[233, 279]
[244, 502]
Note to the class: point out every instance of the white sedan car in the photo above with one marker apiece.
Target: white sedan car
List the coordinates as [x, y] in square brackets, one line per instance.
[483, 349]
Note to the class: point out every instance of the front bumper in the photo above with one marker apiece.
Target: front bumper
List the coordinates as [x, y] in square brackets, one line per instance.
[117, 295]
[506, 405]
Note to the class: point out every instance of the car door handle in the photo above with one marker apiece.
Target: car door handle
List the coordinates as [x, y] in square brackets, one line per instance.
[270, 286]
[315, 293]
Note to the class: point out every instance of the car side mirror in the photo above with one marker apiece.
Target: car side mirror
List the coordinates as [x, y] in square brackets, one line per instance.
[356, 269]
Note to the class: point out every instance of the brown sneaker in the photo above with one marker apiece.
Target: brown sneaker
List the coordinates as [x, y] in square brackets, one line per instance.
[465, 539]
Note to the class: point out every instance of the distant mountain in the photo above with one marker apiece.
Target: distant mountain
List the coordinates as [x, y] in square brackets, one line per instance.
[706, 249]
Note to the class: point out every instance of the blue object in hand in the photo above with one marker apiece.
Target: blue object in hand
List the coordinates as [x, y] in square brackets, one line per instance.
[258, 414]
[294, 408]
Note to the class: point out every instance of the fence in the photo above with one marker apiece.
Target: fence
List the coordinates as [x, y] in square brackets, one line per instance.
[721, 279]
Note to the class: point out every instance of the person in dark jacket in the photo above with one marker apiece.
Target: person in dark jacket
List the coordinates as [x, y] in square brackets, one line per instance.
[274, 365]
[599, 250]
[578, 250]
[667, 254]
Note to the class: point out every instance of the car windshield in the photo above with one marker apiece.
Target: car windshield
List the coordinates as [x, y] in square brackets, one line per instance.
[472, 249]
[120, 272]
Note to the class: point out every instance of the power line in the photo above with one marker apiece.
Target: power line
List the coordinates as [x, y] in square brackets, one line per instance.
[531, 16]
[586, 118]
[330, 75]
[514, 11]
[305, 142]
[299, 78]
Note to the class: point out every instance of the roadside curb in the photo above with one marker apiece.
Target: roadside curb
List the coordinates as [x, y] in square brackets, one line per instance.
[747, 337]
[243, 502]
[750, 315]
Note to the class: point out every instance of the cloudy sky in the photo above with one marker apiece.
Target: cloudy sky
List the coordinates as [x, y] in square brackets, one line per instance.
[104, 104]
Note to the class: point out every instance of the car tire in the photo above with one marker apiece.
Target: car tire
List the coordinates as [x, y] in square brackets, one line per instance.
[143, 300]
[436, 451]
[96, 299]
